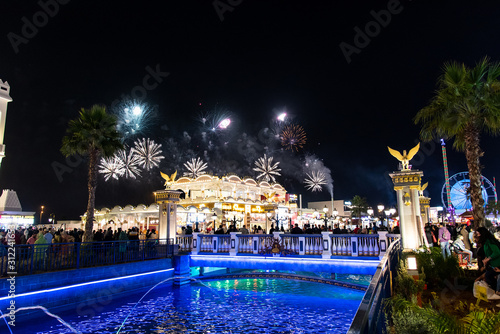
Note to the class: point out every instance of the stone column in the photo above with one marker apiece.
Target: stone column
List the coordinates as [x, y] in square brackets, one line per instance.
[425, 209]
[407, 185]
[167, 201]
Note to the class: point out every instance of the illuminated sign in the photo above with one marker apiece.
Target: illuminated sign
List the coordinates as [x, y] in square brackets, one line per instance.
[247, 208]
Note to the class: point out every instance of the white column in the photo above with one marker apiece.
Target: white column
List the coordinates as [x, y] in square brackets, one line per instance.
[233, 241]
[255, 243]
[196, 244]
[354, 246]
[383, 243]
[302, 245]
[327, 253]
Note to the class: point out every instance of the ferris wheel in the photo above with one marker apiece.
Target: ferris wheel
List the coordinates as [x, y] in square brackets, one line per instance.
[460, 200]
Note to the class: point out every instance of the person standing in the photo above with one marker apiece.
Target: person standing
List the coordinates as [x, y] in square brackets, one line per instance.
[244, 230]
[444, 237]
[429, 235]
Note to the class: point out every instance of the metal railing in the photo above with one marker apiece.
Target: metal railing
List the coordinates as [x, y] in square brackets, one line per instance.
[31, 259]
[370, 317]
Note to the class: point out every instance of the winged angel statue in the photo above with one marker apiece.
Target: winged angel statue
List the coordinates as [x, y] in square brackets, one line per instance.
[404, 158]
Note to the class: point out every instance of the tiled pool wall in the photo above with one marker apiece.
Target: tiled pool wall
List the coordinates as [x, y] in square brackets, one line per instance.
[339, 266]
[114, 280]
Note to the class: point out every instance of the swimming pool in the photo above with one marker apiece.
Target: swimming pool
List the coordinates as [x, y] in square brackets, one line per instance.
[217, 306]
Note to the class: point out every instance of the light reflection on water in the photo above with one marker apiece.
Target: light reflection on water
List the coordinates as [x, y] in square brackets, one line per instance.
[236, 306]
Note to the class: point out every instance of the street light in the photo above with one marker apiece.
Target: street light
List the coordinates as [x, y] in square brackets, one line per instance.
[41, 213]
[325, 210]
[380, 207]
[52, 219]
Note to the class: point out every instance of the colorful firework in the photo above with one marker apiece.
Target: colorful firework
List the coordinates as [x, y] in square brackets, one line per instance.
[111, 167]
[195, 168]
[215, 120]
[130, 162]
[293, 137]
[133, 118]
[148, 153]
[267, 169]
[315, 181]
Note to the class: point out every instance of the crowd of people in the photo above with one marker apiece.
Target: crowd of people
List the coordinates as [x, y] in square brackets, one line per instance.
[46, 244]
[481, 246]
[306, 229]
[31, 236]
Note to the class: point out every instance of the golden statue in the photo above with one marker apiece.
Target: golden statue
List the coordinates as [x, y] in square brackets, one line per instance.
[422, 188]
[169, 180]
[270, 196]
[404, 158]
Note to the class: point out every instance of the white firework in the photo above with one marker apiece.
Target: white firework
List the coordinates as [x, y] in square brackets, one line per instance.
[267, 169]
[195, 168]
[315, 180]
[112, 168]
[148, 153]
[130, 161]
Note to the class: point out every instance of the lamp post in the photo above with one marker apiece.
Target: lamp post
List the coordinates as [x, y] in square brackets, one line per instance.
[325, 210]
[370, 213]
[381, 208]
[41, 213]
[52, 219]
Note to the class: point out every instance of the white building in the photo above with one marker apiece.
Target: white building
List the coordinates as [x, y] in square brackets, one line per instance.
[11, 212]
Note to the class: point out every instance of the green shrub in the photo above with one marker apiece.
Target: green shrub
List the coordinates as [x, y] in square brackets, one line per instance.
[437, 269]
[405, 285]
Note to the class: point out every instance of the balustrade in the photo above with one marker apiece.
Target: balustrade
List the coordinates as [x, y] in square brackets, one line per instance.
[324, 245]
[313, 245]
[185, 243]
[206, 243]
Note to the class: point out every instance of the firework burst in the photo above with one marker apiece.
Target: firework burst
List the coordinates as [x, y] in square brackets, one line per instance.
[133, 118]
[111, 168]
[130, 161]
[216, 120]
[195, 168]
[267, 169]
[148, 153]
[315, 181]
[293, 137]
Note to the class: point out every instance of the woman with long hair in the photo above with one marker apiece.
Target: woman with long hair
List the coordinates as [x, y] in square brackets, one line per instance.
[491, 260]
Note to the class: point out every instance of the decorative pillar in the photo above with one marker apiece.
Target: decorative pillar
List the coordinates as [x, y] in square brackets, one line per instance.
[425, 209]
[383, 243]
[327, 252]
[167, 225]
[196, 243]
[407, 185]
[233, 249]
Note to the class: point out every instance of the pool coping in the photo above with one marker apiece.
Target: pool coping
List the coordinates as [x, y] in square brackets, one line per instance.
[285, 276]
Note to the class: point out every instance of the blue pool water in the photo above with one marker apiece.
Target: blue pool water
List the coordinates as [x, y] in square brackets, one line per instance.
[219, 306]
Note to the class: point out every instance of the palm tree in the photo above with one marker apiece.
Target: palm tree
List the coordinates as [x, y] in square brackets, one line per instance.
[94, 134]
[466, 104]
[359, 205]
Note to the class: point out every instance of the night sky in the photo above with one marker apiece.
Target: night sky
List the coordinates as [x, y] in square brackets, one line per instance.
[251, 59]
